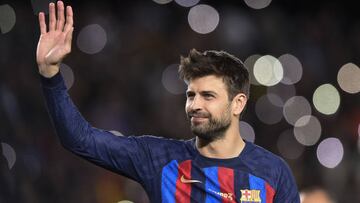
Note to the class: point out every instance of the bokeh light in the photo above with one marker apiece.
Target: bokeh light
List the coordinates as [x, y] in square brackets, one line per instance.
[268, 70]
[326, 99]
[187, 3]
[171, 81]
[330, 152]
[266, 111]
[257, 4]
[249, 64]
[7, 18]
[295, 108]
[247, 131]
[203, 18]
[307, 130]
[67, 74]
[9, 154]
[92, 39]
[349, 78]
[292, 69]
[288, 146]
[162, 1]
[283, 92]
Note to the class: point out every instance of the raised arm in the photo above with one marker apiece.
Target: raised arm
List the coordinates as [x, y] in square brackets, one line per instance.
[55, 42]
[124, 155]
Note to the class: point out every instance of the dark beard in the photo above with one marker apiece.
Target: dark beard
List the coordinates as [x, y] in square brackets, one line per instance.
[214, 129]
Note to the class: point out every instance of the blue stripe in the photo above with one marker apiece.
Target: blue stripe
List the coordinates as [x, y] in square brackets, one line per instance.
[168, 182]
[257, 183]
[212, 185]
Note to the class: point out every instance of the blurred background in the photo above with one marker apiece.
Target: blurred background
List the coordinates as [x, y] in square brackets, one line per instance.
[122, 74]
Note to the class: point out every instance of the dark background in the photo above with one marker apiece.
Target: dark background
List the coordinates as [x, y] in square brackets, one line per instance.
[120, 88]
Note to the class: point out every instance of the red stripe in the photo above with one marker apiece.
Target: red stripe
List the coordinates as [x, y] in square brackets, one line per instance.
[226, 182]
[183, 190]
[270, 192]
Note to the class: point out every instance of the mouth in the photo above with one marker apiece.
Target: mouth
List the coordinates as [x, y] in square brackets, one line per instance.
[198, 119]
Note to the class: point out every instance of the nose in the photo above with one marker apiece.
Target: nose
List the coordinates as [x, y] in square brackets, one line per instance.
[195, 104]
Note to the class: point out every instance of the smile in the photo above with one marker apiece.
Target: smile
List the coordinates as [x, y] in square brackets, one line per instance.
[198, 119]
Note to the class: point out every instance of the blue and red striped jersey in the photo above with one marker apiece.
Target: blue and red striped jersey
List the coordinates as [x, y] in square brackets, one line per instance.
[171, 171]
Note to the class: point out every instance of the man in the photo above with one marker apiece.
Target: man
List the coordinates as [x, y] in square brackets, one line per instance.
[216, 166]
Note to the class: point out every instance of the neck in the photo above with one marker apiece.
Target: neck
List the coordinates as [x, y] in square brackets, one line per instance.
[229, 146]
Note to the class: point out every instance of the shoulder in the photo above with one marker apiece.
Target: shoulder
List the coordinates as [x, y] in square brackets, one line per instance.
[163, 145]
[267, 165]
[159, 141]
[262, 157]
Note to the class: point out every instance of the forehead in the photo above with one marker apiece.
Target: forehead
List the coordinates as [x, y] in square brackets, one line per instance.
[207, 83]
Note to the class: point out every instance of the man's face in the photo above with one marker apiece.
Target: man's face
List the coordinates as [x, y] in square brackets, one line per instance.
[208, 107]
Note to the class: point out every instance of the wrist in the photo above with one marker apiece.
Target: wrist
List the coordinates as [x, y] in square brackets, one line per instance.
[49, 71]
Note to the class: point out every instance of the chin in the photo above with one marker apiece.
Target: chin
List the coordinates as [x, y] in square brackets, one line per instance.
[208, 135]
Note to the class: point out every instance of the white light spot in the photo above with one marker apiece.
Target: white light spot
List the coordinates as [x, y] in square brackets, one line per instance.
[349, 78]
[257, 4]
[292, 69]
[116, 133]
[9, 154]
[266, 111]
[249, 64]
[246, 131]
[307, 130]
[284, 92]
[268, 70]
[203, 18]
[7, 18]
[67, 74]
[330, 152]
[295, 108]
[288, 146]
[187, 3]
[170, 80]
[92, 39]
[162, 1]
[326, 99]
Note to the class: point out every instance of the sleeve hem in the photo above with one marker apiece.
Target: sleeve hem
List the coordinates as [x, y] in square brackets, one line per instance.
[51, 82]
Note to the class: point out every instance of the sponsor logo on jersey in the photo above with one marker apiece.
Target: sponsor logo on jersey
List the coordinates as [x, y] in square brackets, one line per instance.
[250, 196]
[228, 195]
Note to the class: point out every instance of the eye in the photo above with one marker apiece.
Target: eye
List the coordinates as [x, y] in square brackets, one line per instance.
[190, 95]
[208, 96]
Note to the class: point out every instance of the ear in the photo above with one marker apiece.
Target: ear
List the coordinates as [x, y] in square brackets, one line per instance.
[238, 104]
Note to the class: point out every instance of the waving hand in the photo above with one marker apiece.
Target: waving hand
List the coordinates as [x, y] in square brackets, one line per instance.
[55, 42]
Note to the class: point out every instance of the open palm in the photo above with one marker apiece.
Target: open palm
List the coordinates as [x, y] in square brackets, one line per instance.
[55, 43]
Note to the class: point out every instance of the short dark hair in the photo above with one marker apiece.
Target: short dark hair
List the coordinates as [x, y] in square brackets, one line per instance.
[219, 63]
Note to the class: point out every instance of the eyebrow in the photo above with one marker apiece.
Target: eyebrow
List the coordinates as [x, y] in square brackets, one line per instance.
[202, 92]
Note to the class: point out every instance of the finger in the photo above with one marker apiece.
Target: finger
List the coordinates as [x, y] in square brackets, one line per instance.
[60, 16]
[68, 38]
[69, 19]
[42, 23]
[52, 18]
